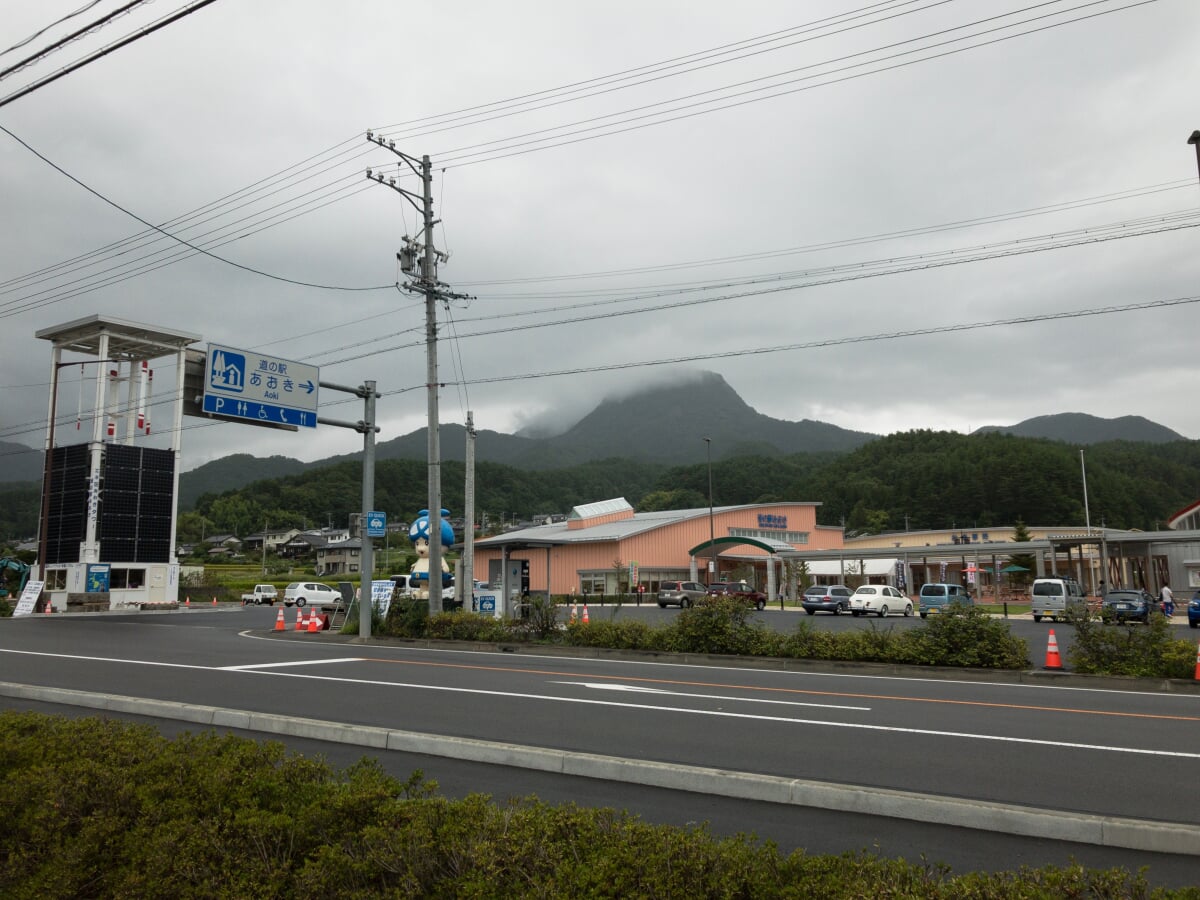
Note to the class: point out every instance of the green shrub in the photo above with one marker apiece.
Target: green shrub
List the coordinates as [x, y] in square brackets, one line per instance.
[136, 815]
[465, 626]
[619, 634]
[407, 617]
[1142, 650]
[714, 625]
[964, 636]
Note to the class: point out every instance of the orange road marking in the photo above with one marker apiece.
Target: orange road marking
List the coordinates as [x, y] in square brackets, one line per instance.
[782, 690]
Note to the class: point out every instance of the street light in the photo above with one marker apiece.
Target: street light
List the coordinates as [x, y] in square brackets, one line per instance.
[712, 537]
[1194, 140]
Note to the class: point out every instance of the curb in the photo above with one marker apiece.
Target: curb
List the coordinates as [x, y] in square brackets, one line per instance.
[979, 815]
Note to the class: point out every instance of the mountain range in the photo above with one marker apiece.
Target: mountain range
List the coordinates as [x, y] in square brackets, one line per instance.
[666, 424]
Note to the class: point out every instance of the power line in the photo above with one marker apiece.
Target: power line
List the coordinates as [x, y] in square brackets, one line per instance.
[37, 34]
[201, 250]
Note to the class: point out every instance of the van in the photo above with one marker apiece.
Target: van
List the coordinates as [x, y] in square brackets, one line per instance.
[936, 597]
[1052, 597]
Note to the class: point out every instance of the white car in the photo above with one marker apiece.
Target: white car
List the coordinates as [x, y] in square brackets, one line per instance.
[302, 593]
[880, 599]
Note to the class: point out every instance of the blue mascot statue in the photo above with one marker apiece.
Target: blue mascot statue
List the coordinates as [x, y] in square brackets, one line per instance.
[419, 534]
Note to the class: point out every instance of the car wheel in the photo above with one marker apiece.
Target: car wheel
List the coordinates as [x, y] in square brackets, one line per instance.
[1037, 618]
[685, 602]
[908, 610]
[760, 605]
[924, 615]
[882, 611]
[300, 601]
[855, 613]
[810, 611]
[662, 605]
[1193, 624]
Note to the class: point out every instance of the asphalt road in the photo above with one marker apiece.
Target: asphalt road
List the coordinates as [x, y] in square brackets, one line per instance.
[1068, 749]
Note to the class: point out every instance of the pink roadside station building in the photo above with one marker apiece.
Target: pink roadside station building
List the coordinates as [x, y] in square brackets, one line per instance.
[608, 549]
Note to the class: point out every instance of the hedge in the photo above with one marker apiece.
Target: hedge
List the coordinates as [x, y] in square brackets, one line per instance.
[100, 808]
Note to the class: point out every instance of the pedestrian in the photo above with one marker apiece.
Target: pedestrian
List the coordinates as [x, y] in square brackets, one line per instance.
[1167, 600]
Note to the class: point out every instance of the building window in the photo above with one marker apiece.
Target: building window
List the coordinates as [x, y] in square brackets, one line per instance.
[56, 580]
[791, 537]
[126, 579]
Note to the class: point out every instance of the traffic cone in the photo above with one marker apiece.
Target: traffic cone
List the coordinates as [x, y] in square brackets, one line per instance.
[214, 601]
[574, 613]
[1198, 662]
[50, 608]
[299, 619]
[314, 623]
[188, 603]
[585, 615]
[279, 623]
[1053, 660]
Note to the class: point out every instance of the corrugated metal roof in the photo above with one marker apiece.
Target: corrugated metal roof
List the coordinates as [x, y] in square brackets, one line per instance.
[638, 523]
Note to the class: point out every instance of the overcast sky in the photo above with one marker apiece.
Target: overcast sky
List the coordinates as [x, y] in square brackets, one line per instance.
[754, 189]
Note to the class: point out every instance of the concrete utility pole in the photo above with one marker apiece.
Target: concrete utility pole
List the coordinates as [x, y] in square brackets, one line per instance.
[468, 566]
[427, 283]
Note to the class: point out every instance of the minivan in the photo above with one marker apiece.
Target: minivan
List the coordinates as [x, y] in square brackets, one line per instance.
[936, 597]
[1052, 597]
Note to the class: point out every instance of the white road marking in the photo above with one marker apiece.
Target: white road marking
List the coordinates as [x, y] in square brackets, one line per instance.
[637, 689]
[891, 729]
[284, 665]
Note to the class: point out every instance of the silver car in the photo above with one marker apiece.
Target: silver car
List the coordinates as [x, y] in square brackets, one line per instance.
[680, 593]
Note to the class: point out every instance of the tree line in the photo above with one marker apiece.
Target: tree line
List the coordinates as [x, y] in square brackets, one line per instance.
[915, 480]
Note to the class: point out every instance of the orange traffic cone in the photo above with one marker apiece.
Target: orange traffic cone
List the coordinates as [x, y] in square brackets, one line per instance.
[585, 615]
[49, 606]
[314, 623]
[214, 601]
[574, 613]
[1053, 660]
[188, 603]
[299, 619]
[279, 623]
[1198, 662]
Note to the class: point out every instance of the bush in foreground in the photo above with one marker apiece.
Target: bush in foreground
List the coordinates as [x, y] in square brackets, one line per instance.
[97, 808]
[1147, 651]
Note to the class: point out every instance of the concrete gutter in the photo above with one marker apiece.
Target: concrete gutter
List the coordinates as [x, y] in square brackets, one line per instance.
[1102, 831]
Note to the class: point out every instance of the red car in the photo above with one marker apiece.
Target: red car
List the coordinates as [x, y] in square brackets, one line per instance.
[739, 589]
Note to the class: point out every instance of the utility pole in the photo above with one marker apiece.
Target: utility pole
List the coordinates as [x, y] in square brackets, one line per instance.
[468, 558]
[427, 283]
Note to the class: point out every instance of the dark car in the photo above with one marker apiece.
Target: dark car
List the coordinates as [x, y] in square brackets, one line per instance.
[1194, 611]
[832, 598]
[1127, 605]
[680, 593]
[739, 589]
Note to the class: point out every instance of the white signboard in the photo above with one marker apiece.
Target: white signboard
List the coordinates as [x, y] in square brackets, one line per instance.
[28, 602]
[381, 595]
[249, 385]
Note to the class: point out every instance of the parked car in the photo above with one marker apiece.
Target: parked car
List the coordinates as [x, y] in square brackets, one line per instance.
[935, 597]
[1053, 597]
[1127, 604]
[302, 593]
[680, 593]
[880, 599]
[739, 589]
[1194, 610]
[834, 598]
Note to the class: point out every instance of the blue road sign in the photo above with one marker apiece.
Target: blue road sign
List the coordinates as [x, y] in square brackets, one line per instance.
[376, 524]
[258, 412]
[249, 385]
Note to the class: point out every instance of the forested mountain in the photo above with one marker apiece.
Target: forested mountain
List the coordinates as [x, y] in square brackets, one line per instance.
[918, 479]
[20, 463]
[1081, 428]
[232, 472]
